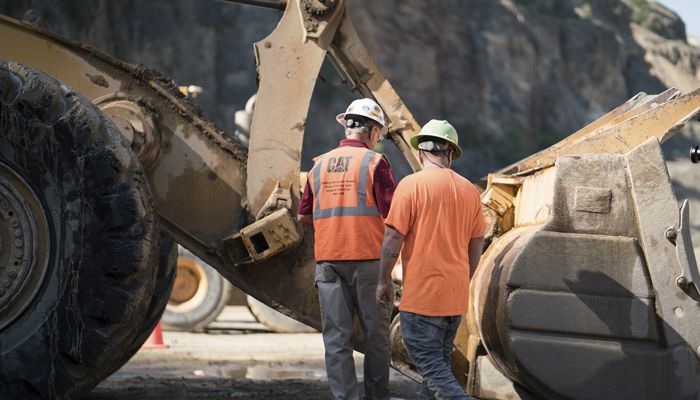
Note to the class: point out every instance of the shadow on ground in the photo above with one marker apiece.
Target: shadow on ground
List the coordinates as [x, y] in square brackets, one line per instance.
[219, 388]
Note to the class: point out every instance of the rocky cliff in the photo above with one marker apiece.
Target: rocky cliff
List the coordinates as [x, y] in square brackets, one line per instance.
[513, 76]
[517, 75]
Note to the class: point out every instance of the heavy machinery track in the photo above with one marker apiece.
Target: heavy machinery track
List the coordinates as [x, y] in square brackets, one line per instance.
[90, 306]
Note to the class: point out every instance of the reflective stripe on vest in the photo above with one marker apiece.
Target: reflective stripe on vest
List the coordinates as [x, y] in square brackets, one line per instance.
[361, 210]
[347, 222]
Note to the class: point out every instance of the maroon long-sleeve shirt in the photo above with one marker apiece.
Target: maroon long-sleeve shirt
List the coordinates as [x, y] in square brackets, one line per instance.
[383, 187]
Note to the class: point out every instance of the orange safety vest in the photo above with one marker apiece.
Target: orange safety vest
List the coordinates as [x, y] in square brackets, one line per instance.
[347, 222]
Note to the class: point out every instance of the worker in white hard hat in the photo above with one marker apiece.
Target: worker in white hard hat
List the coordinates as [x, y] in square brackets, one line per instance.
[347, 196]
[436, 216]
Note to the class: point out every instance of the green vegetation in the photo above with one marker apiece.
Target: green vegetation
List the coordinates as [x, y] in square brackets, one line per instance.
[640, 12]
[586, 13]
[622, 12]
[647, 15]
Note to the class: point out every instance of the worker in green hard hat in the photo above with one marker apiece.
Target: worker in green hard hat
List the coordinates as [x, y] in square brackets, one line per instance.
[438, 136]
[436, 216]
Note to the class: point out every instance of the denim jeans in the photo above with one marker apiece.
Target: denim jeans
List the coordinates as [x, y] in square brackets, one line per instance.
[429, 343]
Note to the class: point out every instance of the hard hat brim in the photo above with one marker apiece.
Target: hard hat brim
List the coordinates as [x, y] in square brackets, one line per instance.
[341, 120]
[457, 150]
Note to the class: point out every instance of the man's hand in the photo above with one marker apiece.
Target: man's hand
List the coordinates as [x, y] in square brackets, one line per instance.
[385, 292]
[475, 246]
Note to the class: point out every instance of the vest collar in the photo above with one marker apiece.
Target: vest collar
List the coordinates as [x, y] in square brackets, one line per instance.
[352, 143]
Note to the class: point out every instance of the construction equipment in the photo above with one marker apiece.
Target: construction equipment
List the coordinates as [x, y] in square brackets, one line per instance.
[588, 287]
[200, 293]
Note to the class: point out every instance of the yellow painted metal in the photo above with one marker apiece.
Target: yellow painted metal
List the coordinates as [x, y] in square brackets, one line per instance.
[533, 204]
[632, 108]
[268, 236]
[630, 124]
[277, 130]
[197, 164]
[650, 102]
[499, 202]
[352, 58]
[661, 122]
[278, 124]
[518, 200]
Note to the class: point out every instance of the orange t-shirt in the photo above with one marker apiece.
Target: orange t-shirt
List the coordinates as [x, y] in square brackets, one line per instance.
[438, 212]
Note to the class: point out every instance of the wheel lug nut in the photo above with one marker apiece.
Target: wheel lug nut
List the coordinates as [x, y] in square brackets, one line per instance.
[19, 243]
[14, 222]
[18, 232]
[18, 253]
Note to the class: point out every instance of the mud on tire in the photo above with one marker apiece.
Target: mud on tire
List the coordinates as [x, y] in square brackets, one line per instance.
[165, 277]
[101, 238]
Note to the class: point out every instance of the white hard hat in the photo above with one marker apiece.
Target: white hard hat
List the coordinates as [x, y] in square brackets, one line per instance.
[365, 108]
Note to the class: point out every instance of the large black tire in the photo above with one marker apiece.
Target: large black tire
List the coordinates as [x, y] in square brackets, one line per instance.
[196, 312]
[101, 239]
[165, 277]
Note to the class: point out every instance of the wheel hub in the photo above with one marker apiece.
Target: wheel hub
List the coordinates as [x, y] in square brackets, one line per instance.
[190, 287]
[188, 280]
[23, 245]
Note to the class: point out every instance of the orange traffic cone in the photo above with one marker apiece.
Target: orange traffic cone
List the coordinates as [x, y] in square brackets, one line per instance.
[155, 339]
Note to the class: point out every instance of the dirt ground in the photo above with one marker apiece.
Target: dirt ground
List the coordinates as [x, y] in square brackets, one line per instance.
[236, 359]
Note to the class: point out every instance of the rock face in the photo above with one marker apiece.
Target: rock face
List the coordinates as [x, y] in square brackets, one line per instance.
[513, 76]
[516, 76]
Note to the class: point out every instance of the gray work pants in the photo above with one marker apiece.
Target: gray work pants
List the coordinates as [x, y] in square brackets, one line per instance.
[346, 287]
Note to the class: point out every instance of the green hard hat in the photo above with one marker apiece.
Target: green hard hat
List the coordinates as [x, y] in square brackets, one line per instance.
[440, 129]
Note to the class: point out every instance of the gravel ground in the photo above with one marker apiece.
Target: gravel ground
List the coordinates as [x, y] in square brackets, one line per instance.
[236, 359]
